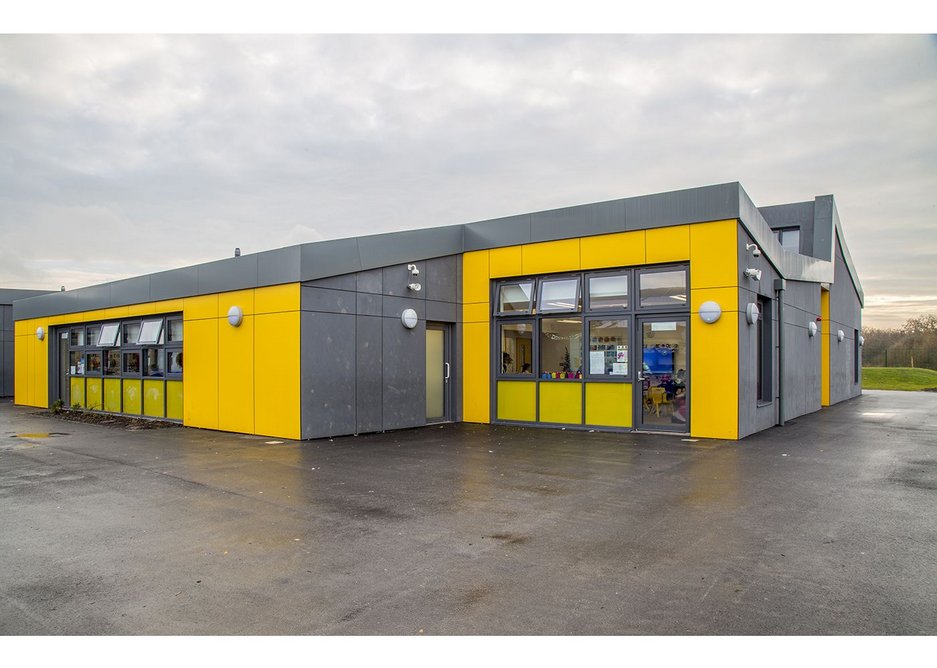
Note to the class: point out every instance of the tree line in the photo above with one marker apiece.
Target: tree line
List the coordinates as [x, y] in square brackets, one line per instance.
[914, 344]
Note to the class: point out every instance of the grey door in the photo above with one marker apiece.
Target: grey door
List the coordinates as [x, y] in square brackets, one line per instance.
[438, 373]
[63, 375]
[662, 394]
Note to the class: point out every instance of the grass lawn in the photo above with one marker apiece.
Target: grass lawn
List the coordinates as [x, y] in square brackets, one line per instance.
[897, 378]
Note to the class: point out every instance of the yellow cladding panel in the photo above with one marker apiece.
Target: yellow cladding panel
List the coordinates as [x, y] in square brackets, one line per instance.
[153, 405]
[276, 374]
[561, 402]
[668, 244]
[551, 256]
[504, 262]
[475, 312]
[613, 250]
[714, 254]
[94, 399]
[41, 370]
[517, 400]
[276, 299]
[112, 395]
[174, 401]
[727, 298]
[235, 376]
[714, 377]
[133, 396]
[475, 372]
[21, 327]
[608, 404]
[168, 306]
[117, 312]
[89, 316]
[76, 387]
[30, 369]
[826, 333]
[242, 298]
[200, 350]
[145, 309]
[200, 308]
[475, 277]
[20, 370]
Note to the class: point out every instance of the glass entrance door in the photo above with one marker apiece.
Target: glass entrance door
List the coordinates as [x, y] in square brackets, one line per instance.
[438, 372]
[663, 380]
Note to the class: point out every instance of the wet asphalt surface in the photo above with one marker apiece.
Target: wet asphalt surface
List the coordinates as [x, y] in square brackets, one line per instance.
[825, 526]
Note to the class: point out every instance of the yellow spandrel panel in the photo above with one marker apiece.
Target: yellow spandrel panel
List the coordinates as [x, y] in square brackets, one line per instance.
[146, 309]
[30, 369]
[714, 377]
[714, 254]
[276, 375]
[76, 392]
[551, 256]
[117, 312]
[505, 262]
[517, 400]
[476, 312]
[112, 395]
[174, 399]
[475, 372]
[133, 396]
[200, 308]
[23, 327]
[241, 298]
[200, 351]
[561, 402]
[168, 306]
[668, 244]
[153, 399]
[236, 377]
[609, 404]
[276, 299]
[40, 368]
[475, 276]
[623, 249]
[94, 394]
[727, 298]
[90, 316]
[825, 335]
[20, 369]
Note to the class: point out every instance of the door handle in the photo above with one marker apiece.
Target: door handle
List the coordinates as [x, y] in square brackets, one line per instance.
[447, 371]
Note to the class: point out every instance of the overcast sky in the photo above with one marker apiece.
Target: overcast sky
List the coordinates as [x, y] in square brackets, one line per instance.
[121, 156]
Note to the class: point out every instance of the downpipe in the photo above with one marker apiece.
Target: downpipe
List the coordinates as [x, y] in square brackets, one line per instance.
[780, 285]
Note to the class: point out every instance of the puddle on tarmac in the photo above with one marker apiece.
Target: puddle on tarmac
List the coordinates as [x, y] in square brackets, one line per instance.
[46, 434]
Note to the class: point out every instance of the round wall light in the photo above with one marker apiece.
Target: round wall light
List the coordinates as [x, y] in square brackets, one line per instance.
[40, 333]
[752, 313]
[840, 335]
[709, 312]
[811, 329]
[409, 318]
[235, 316]
[861, 340]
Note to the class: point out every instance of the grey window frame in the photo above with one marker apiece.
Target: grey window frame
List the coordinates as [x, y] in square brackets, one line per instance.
[534, 348]
[530, 302]
[627, 274]
[559, 278]
[115, 340]
[638, 307]
[155, 341]
[607, 377]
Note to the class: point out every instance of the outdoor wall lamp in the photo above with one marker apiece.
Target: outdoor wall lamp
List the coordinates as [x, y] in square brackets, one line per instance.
[709, 312]
[840, 335]
[752, 313]
[811, 329]
[40, 333]
[235, 316]
[754, 249]
[753, 273]
[861, 340]
[409, 318]
[414, 271]
[416, 287]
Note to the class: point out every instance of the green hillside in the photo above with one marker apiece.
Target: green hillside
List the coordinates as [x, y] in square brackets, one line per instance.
[898, 378]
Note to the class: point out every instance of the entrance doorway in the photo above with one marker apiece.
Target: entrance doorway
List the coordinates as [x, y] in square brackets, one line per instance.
[663, 402]
[438, 373]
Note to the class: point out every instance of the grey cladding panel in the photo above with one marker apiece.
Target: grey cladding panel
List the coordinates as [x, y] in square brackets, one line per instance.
[394, 306]
[236, 273]
[590, 219]
[441, 279]
[404, 355]
[6, 317]
[684, 206]
[508, 231]
[369, 304]
[410, 246]
[131, 291]
[398, 277]
[343, 282]
[51, 304]
[174, 284]
[442, 311]
[6, 368]
[329, 258]
[369, 374]
[327, 301]
[279, 266]
[94, 297]
[371, 281]
[328, 374]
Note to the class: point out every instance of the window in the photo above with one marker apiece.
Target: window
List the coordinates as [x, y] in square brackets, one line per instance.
[76, 363]
[132, 362]
[94, 333]
[77, 337]
[113, 362]
[517, 345]
[152, 362]
[131, 333]
[108, 336]
[789, 238]
[150, 331]
[515, 297]
[764, 355]
[93, 364]
[663, 288]
[559, 295]
[174, 325]
[174, 361]
[608, 347]
[608, 292]
[561, 348]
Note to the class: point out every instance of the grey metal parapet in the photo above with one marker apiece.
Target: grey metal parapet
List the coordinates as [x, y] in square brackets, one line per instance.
[323, 259]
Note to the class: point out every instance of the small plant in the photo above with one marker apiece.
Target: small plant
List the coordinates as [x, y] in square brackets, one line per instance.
[57, 406]
[76, 406]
